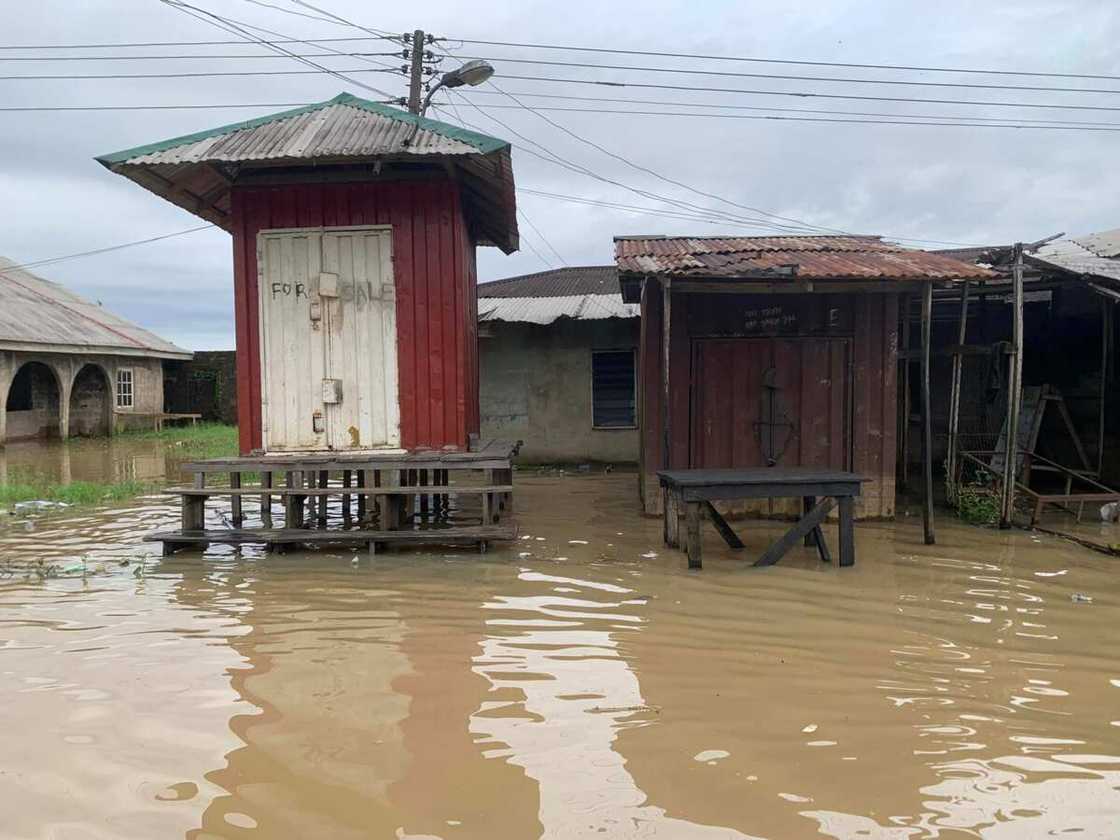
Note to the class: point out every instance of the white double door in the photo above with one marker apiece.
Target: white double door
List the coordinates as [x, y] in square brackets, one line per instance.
[328, 333]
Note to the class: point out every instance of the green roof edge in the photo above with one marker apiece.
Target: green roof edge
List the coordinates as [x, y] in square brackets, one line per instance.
[483, 142]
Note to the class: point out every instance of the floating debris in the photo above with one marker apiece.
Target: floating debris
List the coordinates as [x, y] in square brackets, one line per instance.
[812, 727]
[649, 555]
[37, 506]
[711, 756]
[1079, 598]
[577, 542]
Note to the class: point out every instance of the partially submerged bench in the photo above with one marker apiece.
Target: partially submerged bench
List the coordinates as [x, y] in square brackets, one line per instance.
[383, 499]
[689, 494]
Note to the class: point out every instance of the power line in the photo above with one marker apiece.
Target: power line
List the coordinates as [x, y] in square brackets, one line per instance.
[781, 118]
[52, 260]
[720, 105]
[786, 77]
[655, 174]
[802, 62]
[855, 97]
[235, 28]
[195, 75]
[196, 56]
[163, 107]
[146, 44]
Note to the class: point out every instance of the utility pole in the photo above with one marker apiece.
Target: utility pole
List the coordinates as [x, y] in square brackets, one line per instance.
[416, 71]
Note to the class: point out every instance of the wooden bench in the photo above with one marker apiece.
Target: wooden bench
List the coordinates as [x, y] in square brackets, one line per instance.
[689, 494]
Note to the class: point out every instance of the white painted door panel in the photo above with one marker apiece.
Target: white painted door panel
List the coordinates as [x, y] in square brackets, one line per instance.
[328, 339]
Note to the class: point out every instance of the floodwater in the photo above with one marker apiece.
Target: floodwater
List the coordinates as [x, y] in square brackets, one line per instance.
[570, 685]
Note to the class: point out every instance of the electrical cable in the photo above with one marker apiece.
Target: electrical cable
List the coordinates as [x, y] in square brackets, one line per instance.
[96, 251]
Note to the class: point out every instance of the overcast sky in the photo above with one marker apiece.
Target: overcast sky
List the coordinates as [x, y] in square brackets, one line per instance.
[969, 185]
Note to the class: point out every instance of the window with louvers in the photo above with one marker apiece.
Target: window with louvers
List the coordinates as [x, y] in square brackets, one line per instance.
[613, 404]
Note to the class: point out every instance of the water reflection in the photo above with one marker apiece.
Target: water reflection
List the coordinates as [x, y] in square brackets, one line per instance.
[561, 692]
[432, 695]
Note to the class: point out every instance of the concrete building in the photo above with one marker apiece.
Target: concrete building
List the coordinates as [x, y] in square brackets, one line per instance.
[70, 368]
[557, 360]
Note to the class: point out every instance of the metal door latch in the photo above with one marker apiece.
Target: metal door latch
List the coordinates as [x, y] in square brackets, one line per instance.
[317, 422]
[332, 391]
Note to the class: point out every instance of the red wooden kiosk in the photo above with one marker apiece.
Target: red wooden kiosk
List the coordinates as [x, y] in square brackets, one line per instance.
[354, 229]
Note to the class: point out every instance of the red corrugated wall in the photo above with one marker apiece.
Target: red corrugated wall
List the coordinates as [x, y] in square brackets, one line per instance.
[867, 321]
[434, 273]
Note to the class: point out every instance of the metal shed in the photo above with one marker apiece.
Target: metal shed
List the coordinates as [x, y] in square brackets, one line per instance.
[760, 351]
[354, 231]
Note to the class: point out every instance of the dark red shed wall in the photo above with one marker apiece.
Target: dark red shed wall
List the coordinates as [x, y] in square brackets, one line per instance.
[867, 321]
[434, 273]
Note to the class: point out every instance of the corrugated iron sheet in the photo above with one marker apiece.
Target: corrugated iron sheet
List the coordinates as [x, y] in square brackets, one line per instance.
[787, 257]
[1095, 254]
[340, 129]
[556, 282]
[545, 310]
[196, 171]
[39, 312]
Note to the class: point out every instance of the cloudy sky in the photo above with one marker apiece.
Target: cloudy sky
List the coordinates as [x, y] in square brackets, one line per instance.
[954, 184]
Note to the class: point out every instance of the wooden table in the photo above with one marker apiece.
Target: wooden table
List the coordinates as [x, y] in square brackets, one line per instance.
[689, 495]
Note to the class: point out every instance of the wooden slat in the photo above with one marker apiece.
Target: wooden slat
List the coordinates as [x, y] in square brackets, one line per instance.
[805, 525]
[451, 490]
[239, 536]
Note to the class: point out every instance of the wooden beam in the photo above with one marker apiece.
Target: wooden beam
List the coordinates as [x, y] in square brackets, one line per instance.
[666, 411]
[927, 420]
[1014, 389]
[1106, 350]
[955, 396]
[791, 286]
[729, 536]
[804, 526]
[904, 401]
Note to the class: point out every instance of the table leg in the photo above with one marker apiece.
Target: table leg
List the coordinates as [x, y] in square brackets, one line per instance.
[729, 536]
[693, 544]
[847, 535]
[816, 536]
[807, 523]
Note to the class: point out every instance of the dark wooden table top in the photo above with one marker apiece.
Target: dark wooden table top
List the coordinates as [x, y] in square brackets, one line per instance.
[757, 476]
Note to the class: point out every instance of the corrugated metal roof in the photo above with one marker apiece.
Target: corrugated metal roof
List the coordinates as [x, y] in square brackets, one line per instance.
[345, 126]
[41, 313]
[196, 171]
[570, 280]
[786, 257]
[1096, 254]
[545, 310]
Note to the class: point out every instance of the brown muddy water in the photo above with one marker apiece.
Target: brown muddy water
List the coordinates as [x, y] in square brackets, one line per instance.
[570, 685]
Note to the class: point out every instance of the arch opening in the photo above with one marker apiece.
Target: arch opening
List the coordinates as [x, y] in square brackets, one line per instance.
[33, 403]
[91, 404]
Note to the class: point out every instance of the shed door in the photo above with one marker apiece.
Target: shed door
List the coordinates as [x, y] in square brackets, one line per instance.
[328, 340]
[770, 401]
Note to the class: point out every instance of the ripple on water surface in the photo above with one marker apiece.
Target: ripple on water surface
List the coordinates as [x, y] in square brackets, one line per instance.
[925, 692]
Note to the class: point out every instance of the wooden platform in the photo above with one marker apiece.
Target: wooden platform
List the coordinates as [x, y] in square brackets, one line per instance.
[369, 499]
[689, 495]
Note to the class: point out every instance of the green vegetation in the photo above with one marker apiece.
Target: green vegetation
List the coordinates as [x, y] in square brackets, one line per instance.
[206, 440]
[977, 501]
[74, 493]
[187, 443]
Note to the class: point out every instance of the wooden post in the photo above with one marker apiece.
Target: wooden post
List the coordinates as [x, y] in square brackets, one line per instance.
[362, 500]
[324, 481]
[927, 422]
[955, 396]
[416, 71]
[904, 386]
[847, 531]
[666, 413]
[346, 496]
[1014, 389]
[266, 501]
[1106, 350]
[235, 500]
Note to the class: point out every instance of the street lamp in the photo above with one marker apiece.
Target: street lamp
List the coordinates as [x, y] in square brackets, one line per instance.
[472, 73]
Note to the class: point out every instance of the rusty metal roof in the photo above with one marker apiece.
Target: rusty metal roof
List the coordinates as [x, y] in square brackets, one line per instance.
[40, 315]
[545, 310]
[1095, 255]
[785, 257]
[196, 171]
[556, 282]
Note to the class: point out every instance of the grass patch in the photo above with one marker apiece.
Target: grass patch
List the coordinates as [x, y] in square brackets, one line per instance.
[74, 493]
[187, 443]
[206, 440]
